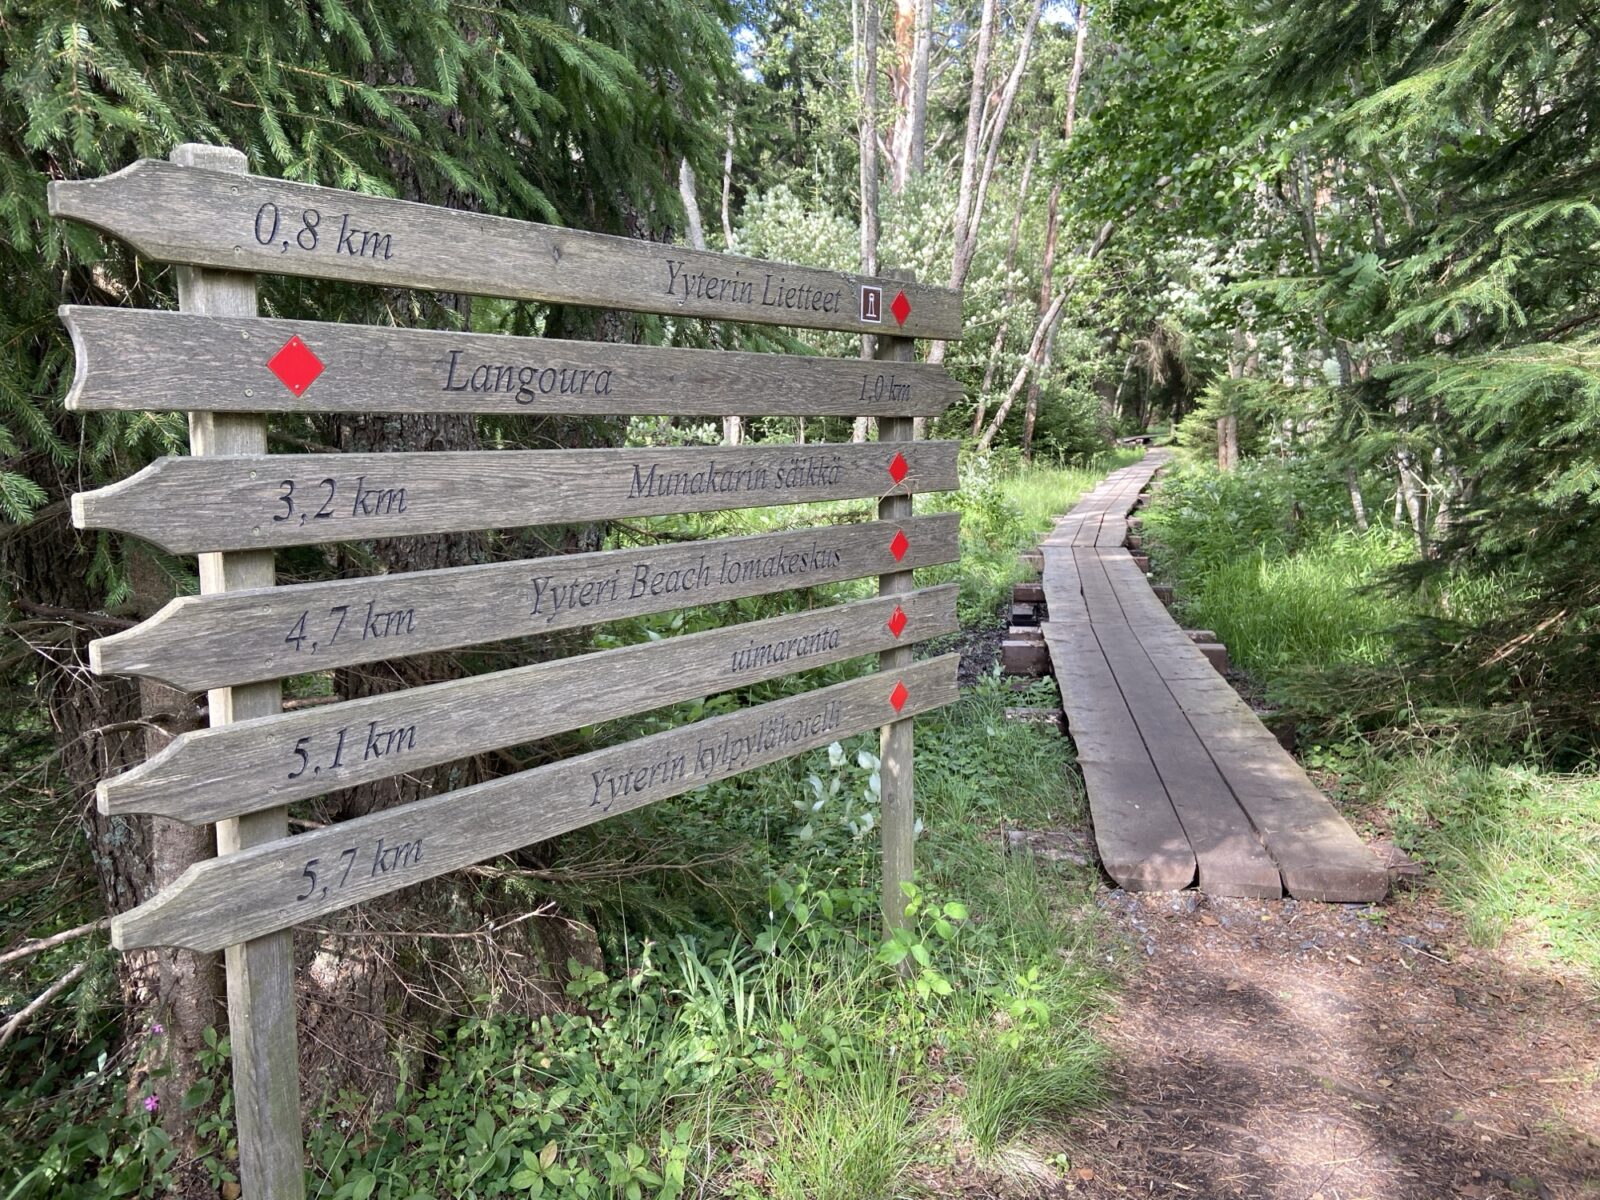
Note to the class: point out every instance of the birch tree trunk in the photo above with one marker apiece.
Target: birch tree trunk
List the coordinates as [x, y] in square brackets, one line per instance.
[978, 144]
[869, 171]
[1010, 296]
[727, 189]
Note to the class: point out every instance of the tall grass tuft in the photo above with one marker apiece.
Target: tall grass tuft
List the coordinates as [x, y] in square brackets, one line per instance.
[1011, 1092]
[1315, 607]
[852, 1140]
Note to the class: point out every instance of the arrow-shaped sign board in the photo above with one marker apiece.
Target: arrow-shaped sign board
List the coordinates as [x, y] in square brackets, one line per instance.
[228, 900]
[251, 223]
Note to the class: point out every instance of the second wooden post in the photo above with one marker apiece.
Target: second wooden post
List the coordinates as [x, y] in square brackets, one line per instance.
[895, 740]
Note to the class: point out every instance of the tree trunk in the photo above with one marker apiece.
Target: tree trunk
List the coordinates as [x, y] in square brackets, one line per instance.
[1030, 362]
[869, 174]
[727, 190]
[1010, 296]
[691, 206]
[1035, 387]
[1358, 506]
[1228, 443]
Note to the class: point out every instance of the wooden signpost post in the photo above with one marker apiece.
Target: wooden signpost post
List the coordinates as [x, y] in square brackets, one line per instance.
[232, 503]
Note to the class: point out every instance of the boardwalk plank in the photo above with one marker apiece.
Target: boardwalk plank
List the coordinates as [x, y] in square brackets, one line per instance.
[1142, 844]
[1232, 862]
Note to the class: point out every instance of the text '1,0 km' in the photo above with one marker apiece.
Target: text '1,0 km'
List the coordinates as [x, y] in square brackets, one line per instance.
[137, 359]
[195, 505]
[251, 223]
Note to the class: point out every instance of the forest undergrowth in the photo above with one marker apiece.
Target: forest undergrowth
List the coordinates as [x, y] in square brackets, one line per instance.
[748, 1030]
[1505, 818]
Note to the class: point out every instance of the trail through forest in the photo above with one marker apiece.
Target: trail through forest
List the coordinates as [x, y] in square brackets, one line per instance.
[1275, 1049]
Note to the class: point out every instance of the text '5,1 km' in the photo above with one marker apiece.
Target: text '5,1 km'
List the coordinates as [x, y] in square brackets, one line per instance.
[234, 504]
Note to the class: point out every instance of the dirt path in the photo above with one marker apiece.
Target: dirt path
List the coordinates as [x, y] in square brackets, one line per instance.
[1330, 1052]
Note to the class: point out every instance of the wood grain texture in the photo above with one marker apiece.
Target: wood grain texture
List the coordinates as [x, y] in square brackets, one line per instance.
[300, 878]
[253, 223]
[198, 642]
[896, 740]
[1141, 841]
[251, 502]
[1231, 859]
[210, 773]
[146, 360]
[259, 971]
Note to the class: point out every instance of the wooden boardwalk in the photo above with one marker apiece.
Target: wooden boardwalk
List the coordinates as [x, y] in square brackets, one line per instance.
[1185, 784]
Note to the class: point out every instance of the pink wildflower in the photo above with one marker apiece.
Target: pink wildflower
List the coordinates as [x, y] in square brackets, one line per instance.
[151, 1103]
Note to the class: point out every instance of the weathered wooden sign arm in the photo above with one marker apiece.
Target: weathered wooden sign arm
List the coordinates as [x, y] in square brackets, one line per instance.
[132, 359]
[208, 774]
[246, 502]
[228, 900]
[197, 642]
[251, 223]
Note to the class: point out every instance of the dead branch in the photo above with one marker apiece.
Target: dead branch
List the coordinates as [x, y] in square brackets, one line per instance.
[39, 1001]
[35, 945]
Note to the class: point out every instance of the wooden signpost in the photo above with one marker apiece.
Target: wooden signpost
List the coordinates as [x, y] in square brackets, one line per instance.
[208, 773]
[232, 503]
[199, 642]
[237, 222]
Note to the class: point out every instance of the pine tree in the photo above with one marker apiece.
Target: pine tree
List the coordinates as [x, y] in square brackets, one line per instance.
[574, 113]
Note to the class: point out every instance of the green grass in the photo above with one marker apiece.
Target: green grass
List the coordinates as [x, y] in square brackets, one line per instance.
[1311, 607]
[1263, 557]
[1514, 849]
[854, 1139]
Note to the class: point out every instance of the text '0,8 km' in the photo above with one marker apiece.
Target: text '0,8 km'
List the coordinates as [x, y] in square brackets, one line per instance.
[250, 223]
[196, 505]
[228, 900]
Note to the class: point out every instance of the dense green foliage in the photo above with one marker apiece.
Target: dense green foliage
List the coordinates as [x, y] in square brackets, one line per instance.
[1406, 237]
[1266, 557]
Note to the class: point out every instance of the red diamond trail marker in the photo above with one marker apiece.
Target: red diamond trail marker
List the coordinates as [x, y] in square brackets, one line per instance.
[900, 545]
[295, 366]
[899, 696]
[898, 467]
[897, 621]
[901, 308]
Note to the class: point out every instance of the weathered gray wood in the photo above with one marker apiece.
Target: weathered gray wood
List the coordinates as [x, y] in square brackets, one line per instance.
[213, 219]
[206, 774]
[249, 502]
[133, 359]
[205, 641]
[300, 878]
[1141, 842]
[260, 971]
[1318, 854]
[896, 745]
[1232, 861]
